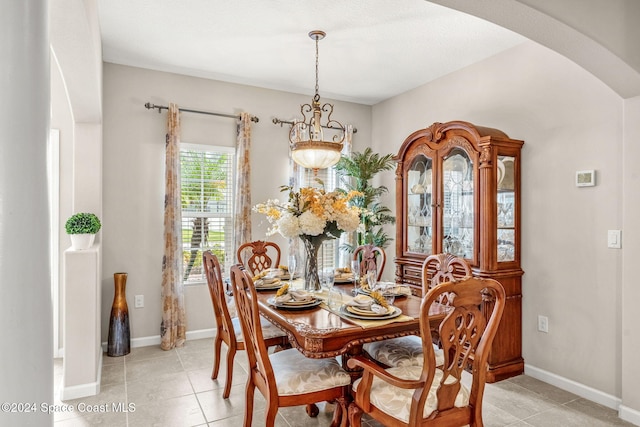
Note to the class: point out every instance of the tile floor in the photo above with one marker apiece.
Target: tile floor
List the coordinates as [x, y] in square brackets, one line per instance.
[174, 389]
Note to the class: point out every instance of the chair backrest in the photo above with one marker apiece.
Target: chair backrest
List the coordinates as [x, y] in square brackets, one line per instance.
[258, 256]
[244, 293]
[466, 336]
[445, 268]
[218, 297]
[371, 258]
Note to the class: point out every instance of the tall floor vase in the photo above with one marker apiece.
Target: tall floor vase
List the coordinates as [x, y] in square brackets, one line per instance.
[119, 342]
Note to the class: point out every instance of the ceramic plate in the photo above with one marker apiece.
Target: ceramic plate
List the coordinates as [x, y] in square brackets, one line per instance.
[294, 306]
[368, 313]
[269, 287]
[397, 312]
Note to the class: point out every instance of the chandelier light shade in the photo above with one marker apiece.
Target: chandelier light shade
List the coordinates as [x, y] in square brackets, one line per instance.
[309, 148]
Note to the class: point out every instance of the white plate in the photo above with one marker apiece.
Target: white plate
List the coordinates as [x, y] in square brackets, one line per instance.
[397, 312]
[295, 306]
[369, 313]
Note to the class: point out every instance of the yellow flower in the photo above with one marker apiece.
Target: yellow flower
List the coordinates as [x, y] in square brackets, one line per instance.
[379, 299]
[283, 290]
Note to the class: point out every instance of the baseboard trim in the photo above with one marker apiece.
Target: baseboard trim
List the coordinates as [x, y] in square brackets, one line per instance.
[574, 387]
[82, 390]
[630, 415]
[155, 339]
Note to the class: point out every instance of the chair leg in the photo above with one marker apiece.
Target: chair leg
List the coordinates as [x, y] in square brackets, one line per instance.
[231, 354]
[312, 410]
[248, 407]
[272, 412]
[340, 413]
[355, 415]
[217, 346]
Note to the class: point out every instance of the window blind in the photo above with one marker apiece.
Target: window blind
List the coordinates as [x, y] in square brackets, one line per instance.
[207, 207]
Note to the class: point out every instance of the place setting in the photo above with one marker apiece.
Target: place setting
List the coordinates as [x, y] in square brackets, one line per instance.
[374, 306]
[293, 299]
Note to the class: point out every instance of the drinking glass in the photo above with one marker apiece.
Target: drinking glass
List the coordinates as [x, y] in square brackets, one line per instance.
[389, 293]
[328, 277]
[291, 265]
[355, 270]
[372, 279]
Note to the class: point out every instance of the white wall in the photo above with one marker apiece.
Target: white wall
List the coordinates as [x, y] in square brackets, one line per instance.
[569, 121]
[133, 163]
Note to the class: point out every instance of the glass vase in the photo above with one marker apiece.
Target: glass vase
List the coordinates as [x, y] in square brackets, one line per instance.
[311, 278]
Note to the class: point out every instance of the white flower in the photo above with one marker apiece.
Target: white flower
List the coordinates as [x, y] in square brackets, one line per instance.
[311, 224]
[348, 221]
[289, 225]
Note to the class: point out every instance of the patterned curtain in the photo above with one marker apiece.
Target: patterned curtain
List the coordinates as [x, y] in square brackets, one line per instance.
[347, 238]
[173, 327]
[242, 220]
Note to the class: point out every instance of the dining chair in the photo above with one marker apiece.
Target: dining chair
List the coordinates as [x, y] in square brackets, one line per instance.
[371, 257]
[258, 255]
[431, 394]
[407, 351]
[228, 328]
[285, 378]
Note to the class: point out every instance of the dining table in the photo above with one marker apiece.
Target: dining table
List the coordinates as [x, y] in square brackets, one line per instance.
[322, 331]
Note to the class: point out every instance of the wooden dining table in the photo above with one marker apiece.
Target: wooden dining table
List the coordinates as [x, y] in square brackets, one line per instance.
[320, 332]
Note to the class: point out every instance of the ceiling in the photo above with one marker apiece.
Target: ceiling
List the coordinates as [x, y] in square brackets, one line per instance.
[374, 49]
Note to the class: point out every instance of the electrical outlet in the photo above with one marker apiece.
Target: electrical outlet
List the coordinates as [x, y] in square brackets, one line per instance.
[139, 301]
[543, 324]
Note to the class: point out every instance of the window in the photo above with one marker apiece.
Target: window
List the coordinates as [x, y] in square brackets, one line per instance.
[329, 254]
[207, 207]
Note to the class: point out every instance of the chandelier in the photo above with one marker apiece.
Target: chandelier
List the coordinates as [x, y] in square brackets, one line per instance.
[309, 148]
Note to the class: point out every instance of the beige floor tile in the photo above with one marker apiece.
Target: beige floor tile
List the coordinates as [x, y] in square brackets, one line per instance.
[257, 421]
[176, 412]
[150, 368]
[196, 345]
[216, 408]
[163, 387]
[516, 400]
[197, 359]
[149, 352]
[112, 374]
[547, 390]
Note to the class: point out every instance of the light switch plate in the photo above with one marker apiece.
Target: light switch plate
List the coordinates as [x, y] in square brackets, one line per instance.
[613, 239]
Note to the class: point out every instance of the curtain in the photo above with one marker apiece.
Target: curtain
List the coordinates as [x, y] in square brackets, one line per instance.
[173, 326]
[347, 238]
[242, 211]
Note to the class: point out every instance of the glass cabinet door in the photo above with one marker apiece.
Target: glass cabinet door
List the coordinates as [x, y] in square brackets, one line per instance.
[506, 209]
[419, 201]
[458, 213]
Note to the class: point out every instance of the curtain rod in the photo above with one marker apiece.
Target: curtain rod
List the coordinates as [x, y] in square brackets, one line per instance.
[277, 121]
[151, 106]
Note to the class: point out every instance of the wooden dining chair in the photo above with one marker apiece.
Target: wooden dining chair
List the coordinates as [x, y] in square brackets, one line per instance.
[407, 351]
[432, 394]
[228, 328]
[259, 255]
[371, 257]
[285, 378]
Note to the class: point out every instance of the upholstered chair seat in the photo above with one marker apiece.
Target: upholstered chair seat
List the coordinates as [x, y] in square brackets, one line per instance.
[403, 351]
[296, 374]
[396, 401]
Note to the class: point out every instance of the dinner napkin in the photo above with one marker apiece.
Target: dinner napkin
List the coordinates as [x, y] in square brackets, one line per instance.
[294, 295]
[384, 287]
[364, 302]
[266, 281]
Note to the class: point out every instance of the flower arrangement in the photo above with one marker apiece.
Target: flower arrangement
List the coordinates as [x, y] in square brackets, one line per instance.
[314, 215]
[311, 212]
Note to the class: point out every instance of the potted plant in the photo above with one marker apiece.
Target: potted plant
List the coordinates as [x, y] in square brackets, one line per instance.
[356, 172]
[82, 228]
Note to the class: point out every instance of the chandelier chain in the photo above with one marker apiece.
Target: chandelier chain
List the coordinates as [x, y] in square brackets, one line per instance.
[317, 87]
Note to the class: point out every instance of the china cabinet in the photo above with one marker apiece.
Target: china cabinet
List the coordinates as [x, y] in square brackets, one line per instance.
[458, 191]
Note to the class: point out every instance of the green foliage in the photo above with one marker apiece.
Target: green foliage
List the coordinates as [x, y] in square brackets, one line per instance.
[83, 223]
[356, 172]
